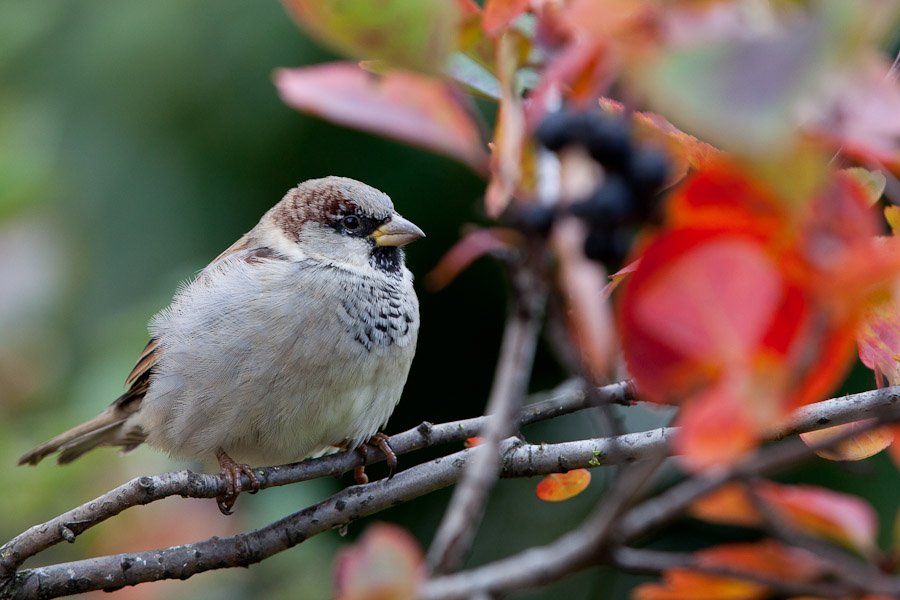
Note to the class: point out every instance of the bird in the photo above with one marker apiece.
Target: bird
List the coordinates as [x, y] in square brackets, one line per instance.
[294, 341]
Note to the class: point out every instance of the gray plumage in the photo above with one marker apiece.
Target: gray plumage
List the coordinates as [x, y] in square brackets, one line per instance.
[298, 337]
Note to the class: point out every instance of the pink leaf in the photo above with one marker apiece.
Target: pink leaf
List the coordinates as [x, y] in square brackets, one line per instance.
[468, 249]
[405, 106]
[498, 14]
[386, 563]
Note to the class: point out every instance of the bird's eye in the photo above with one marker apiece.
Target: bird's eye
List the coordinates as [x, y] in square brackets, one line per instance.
[351, 223]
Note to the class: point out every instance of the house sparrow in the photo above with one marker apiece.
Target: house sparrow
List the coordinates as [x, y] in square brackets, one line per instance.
[297, 338]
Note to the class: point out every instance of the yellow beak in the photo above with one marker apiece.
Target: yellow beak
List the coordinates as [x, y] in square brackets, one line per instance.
[396, 232]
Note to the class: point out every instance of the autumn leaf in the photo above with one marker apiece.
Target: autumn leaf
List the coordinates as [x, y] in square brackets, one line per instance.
[858, 447]
[416, 34]
[812, 510]
[499, 14]
[386, 562]
[557, 487]
[472, 246]
[759, 560]
[406, 106]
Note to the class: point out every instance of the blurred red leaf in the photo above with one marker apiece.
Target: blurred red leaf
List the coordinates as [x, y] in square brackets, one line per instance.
[721, 425]
[417, 35]
[471, 247]
[498, 14]
[766, 559]
[582, 283]
[579, 73]
[405, 106]
[386, 562]
[812, 510]
[557, 487]
[472, 442]
[858, 447]
[743, 308]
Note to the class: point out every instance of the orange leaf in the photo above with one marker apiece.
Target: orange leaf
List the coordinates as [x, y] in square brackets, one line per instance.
[472, 442]
[499, 14]
[730, 504]
[557, 487]
[878, 337]
[766, 559]
[386, 562]
[409, 107]
[857, 447]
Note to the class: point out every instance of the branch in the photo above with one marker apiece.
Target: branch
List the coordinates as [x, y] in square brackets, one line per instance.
[457, 529]
[519, 460]
[565, 399]
[578, 549]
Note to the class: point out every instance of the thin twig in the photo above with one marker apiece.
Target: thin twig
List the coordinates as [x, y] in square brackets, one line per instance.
[457, 529]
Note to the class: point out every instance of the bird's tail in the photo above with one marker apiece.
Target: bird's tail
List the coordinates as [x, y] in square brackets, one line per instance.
[106, 429]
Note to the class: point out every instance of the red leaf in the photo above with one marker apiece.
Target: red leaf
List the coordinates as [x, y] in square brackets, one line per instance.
[843, 518]
[812, 510]
[467, 250]
[405, 106]
[472, 442]
[499, 14]
[386, 562]
[557, 487]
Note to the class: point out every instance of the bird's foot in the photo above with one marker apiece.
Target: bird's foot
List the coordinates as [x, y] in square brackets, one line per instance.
[380, 441]
[232, 472]
[383, 443]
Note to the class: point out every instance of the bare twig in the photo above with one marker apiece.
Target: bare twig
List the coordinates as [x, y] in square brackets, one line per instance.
[457, 529]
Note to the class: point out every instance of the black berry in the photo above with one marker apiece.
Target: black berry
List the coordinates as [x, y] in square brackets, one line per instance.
[610, 205]
[647, 172]
[537, 218]
[557, 130]
[608, 140]
[607, 246]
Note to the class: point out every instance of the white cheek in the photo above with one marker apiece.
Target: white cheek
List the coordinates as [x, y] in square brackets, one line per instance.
[327, 245]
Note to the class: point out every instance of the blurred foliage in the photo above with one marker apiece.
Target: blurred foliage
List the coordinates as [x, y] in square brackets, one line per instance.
[138, 140]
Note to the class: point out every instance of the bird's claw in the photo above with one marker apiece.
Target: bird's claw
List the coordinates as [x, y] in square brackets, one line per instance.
[232, 472]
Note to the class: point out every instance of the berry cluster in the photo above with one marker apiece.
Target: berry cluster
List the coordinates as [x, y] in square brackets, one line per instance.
[627, 196]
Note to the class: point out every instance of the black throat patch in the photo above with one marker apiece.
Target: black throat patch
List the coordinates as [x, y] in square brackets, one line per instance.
[388, 259]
